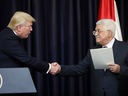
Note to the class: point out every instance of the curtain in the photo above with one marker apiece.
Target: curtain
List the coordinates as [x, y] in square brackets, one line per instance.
[62, 33]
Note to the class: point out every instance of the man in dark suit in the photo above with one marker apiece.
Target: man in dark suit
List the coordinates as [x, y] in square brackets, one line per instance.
[12, 53]
[105, 81]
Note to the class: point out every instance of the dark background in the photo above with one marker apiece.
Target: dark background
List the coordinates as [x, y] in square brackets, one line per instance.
[62, 33]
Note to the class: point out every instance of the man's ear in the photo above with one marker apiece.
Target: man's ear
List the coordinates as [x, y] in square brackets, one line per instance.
[18, 28]
[110, 33]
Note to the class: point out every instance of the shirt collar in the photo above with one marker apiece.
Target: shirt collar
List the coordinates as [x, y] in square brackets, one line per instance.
[14, 32]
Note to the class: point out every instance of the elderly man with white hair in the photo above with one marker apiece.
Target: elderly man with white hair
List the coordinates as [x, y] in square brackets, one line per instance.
[106, 82]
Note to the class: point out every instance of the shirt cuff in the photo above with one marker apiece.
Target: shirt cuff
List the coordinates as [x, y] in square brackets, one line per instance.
[48, 68]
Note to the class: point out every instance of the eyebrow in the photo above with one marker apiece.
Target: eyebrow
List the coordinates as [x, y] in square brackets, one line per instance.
[97, 29]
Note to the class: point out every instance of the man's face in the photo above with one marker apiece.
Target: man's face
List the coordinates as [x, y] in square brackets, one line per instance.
[102, 36]
[25, 30]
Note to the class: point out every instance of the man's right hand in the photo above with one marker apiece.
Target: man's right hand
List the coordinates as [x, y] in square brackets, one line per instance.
[55, 68]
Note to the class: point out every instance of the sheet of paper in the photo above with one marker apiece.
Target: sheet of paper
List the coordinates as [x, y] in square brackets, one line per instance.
[101, 57]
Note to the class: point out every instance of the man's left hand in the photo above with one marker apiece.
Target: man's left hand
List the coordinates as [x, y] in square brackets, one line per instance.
[115, 68]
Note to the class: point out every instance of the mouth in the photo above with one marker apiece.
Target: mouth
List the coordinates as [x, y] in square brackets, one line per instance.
[97, 36]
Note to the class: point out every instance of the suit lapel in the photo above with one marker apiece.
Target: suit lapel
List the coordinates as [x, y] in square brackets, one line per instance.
[116, 47]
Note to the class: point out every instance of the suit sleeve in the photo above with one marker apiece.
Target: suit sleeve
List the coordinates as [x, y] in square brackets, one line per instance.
[14, 49]
[124, 68]
[76, 70]
[124, 61]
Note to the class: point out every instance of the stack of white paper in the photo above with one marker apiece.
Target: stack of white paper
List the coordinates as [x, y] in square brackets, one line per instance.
[101, 57]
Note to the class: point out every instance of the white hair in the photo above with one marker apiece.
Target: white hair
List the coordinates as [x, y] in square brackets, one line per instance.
[109, 24]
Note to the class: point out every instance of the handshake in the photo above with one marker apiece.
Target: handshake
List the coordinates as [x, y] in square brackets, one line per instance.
[55, 68]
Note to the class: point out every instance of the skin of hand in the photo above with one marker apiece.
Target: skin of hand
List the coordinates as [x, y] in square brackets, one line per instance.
[115, 68]
[55, 68]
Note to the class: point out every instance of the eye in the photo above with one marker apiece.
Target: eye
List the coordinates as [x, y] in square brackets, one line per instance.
[30, 26]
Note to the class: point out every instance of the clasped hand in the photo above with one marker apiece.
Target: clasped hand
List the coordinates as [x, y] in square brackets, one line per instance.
[55, 68]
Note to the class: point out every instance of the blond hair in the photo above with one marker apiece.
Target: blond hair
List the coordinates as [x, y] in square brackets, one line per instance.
[19, 18]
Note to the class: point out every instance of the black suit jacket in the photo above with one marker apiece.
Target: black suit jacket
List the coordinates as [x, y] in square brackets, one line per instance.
[103, 81]
[12, 53]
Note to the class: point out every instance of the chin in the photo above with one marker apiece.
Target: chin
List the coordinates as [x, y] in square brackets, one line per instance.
[97, 41]
[26, 37]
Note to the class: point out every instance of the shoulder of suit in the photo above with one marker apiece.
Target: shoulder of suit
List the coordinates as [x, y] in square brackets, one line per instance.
[122, 43]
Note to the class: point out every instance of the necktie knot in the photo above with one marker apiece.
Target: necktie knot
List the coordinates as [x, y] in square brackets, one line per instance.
[104, 46]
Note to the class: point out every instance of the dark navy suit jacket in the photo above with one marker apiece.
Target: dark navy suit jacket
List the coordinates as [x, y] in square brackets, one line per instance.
[12, 53]
[102, 81]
